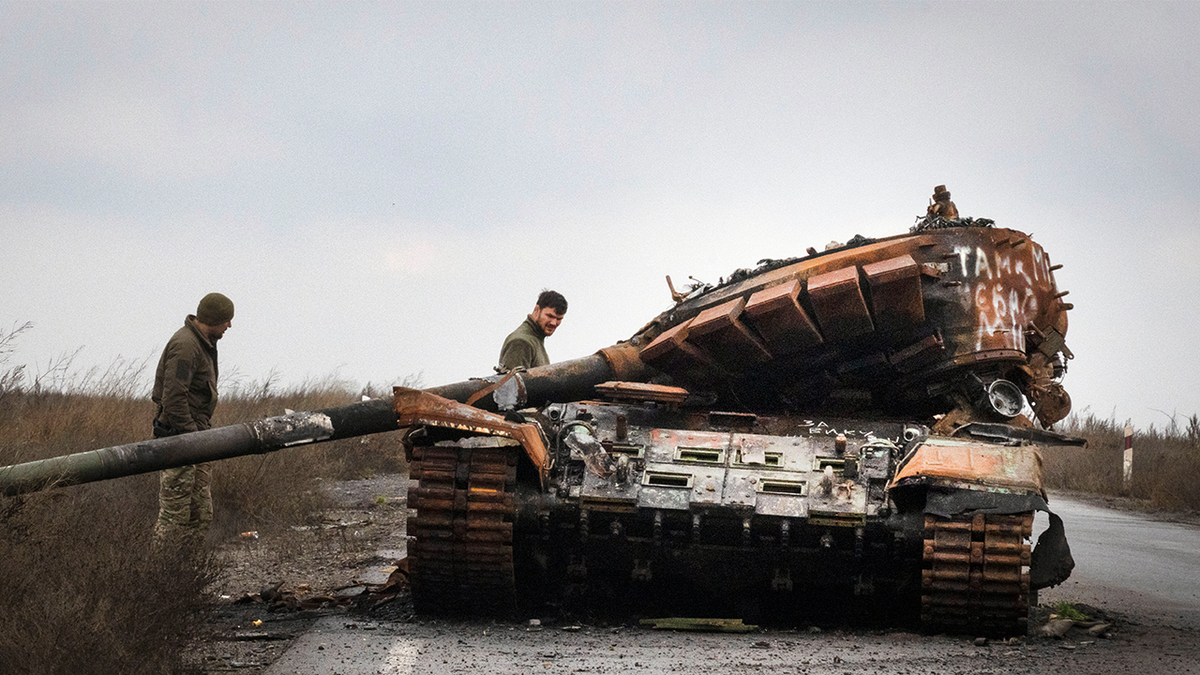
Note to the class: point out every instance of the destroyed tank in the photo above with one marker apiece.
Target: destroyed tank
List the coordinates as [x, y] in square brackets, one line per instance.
[864, 422]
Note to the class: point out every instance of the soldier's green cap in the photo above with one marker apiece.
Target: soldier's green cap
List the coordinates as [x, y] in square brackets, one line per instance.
[214, 309]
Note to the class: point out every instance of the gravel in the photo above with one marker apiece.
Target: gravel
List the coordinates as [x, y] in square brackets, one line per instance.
[352, 546]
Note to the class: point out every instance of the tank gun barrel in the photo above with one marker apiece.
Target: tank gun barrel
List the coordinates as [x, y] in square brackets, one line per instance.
[563, 381]
[257, 437]
[566, 380]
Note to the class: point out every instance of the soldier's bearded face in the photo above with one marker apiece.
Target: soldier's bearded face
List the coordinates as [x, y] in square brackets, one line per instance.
[215, 333]
[547, 318]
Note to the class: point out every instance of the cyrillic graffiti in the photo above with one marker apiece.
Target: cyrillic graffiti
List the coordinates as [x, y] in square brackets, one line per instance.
[820, 428]
[1002, 287]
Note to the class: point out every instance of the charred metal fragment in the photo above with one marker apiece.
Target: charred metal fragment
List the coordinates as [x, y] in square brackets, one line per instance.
[1051, 562]
[953, 502]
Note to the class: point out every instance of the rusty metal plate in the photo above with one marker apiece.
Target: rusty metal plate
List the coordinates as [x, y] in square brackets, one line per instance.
[740, 490]
[838, 302]
[670, 352]
[781, 505]
[638, 392]
[1007, 282]
[708, 487]
[720, 332]
[415, 407]
[997, 466]
[778, 317]
[665, 443]
[773, 473]
[777, 453]
[605, 494]
[896, 301]
[844, 506]
[666, 486]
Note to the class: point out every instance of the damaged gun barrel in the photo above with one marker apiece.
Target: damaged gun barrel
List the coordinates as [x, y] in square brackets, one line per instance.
[563, 381]
[570, 379]
[257, 437]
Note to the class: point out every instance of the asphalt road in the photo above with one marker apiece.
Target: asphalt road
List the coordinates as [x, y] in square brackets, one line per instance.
[1127, 563]
[1143, 569]
[438, 648]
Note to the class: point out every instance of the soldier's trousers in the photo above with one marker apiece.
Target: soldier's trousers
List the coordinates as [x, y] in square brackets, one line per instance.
[184, 504]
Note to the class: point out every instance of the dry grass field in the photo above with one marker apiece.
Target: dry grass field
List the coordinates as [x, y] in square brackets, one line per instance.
[1166, 462]
[82, 592]
[80, 588]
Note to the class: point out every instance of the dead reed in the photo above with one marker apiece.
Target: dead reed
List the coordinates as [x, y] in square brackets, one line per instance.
[1166, 461]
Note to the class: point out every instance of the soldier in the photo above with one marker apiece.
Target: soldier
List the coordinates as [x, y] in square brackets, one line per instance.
[525, 347]
[185, 391]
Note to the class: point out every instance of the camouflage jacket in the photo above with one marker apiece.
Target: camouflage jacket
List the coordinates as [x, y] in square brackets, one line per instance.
[185, 383]
[525, 347]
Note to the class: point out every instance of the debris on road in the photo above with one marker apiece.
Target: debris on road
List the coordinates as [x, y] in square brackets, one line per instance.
[707, 625]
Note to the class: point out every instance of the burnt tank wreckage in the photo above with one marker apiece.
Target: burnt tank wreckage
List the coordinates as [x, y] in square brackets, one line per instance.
[866, 420]
[851, 419]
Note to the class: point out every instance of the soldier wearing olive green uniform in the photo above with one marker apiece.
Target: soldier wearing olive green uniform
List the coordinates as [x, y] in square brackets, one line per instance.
[525, 347]
[185, 392]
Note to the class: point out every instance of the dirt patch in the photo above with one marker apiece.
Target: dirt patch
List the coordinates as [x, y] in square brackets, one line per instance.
[337, 557]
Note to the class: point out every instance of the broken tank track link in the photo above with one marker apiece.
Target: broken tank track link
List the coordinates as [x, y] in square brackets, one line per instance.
[460, 551]
[976, 573]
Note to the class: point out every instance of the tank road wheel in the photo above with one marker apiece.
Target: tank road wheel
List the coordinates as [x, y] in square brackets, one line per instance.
[460, 555]
[975, 575]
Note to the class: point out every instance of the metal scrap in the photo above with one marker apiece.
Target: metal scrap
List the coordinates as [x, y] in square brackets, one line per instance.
[702, 625]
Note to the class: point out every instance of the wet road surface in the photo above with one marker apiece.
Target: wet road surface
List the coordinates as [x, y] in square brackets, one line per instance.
[1127, 563]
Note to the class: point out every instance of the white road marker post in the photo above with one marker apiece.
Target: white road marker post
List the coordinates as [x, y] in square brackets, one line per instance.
[1128, 454]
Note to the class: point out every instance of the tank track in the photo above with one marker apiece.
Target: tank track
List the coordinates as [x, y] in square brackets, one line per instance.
[975, 574]
[460, 551]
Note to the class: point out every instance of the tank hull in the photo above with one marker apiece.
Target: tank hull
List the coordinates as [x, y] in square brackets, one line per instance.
[719, 513]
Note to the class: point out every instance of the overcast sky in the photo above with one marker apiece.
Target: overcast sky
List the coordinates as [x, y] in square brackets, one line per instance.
[383, 189]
